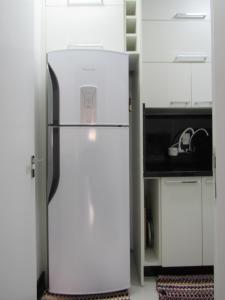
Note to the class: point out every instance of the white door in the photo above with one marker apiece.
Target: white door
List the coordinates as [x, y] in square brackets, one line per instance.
[219, 116]
[88, 212]
[17, 197]
[181, 222]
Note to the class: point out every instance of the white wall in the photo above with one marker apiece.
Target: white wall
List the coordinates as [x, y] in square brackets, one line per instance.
[219, 123]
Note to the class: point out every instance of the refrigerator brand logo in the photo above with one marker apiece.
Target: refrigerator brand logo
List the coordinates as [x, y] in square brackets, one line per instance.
[89, 69]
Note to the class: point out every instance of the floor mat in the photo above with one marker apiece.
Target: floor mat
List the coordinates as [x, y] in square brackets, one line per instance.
[190, 287]
[123, 295]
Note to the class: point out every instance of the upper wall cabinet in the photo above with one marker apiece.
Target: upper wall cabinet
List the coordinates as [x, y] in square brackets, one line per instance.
[100, 26]
[176, 41]
[176, 85]
[166, 85]
[172, 9]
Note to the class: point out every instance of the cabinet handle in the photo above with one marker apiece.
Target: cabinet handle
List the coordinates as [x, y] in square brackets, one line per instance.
[181, 181]
[87, 46]
[179, 102]
[202, 102]
[190, 16]
[200, 58]
[76, 2]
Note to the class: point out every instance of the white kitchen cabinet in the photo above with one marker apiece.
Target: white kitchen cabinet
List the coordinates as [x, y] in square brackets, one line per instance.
[166, 10]
[181, 221]
[85, 26]
[208, 205]
[201, 85]
[166, 41]
[166, 85]
[176, 85]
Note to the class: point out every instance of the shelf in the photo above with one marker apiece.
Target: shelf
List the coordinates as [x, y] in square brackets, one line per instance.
[130, 7]
[131, 42]
[151, 259]
[130, 24]
[131, 27]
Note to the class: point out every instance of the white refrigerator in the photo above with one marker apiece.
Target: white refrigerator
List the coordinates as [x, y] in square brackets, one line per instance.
[88, 172]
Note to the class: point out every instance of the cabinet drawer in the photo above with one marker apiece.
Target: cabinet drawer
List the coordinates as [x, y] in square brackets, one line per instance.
[85, 26]
[201, 85]
[166, 10]
[166, 85]
[164, 41]
[181, 222]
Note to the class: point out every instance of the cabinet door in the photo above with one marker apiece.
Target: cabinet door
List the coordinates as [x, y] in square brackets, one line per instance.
[201, 85]
[166, 85]
[166, 41]
[166, 10]
[181, 222]
[208, 204]
[85, 26]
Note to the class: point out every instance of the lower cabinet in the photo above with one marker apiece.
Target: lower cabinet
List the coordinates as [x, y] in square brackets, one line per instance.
[208, 220]
[181, 222]
[187, 208]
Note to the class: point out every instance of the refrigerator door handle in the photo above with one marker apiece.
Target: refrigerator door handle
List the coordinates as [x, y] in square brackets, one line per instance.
[55, 103]
[56, 161]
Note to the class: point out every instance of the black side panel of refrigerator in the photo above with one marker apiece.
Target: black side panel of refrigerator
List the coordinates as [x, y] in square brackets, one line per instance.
[53, 98]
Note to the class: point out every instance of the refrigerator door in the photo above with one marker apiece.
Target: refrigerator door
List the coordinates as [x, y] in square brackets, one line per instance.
[88, 212]
[90, 87]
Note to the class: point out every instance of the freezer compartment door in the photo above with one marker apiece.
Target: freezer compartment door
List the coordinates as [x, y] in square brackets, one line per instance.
[89, 212]
[89, 86]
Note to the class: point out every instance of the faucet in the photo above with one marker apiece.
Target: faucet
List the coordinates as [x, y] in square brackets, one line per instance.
[175, 149]
[182, 136]
[198, 130]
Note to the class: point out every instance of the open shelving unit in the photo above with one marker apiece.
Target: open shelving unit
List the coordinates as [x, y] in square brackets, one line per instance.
[131, 32]
[131, 25]
[152, 254]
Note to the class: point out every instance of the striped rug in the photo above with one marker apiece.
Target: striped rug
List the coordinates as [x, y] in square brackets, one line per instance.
[123, 295]
[190, 287]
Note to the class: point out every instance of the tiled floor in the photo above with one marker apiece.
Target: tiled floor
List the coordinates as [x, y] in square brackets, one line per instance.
[146, 292]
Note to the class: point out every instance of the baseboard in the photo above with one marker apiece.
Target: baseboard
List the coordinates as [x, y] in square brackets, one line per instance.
[154, 271]
[41, 285]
